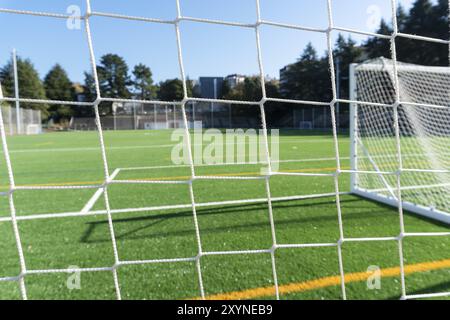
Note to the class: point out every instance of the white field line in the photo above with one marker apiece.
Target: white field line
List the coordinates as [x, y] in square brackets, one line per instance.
[90, 204]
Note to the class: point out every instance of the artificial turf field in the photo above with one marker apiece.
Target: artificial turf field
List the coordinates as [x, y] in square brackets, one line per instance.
[74, 158]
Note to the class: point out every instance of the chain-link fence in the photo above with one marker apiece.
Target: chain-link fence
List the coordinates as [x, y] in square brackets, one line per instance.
[209, 115]
[26, 121]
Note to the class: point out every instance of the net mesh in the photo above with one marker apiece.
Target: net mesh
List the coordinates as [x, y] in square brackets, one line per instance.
[381, 122]
[423, 116]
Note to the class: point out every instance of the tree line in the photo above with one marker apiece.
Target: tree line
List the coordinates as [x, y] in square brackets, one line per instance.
[309, 77]
[115, 81]
[306, 79]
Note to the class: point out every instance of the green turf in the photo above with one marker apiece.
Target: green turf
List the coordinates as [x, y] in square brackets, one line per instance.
[75, 159]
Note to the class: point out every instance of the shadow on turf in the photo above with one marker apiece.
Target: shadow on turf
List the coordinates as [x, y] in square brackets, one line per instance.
[158, 218]
[407, 213]
[441, 287]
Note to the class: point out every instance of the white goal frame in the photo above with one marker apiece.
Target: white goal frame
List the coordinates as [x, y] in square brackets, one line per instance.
[357, 145]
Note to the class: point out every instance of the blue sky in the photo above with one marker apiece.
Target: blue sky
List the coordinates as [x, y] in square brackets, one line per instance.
[208, 50]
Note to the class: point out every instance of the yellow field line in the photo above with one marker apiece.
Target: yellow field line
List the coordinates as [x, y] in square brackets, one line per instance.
[77, 183]
[325, 282]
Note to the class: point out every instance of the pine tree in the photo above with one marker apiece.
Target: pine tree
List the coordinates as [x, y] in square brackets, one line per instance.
[114, 82]
[422, 21]
[402, 18]
[30, 85]
[441, 28]
[113, 77]
[309, 54]
[345, 53]
[90, 95]
[59, 87]
[377, 47]
[308, 78]
[144, 89]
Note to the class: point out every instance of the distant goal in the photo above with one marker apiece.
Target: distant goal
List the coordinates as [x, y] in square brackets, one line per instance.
[400, 136]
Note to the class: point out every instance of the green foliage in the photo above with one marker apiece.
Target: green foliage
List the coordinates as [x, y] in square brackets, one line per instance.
[308, 78]
[377, 47]
[226, 89]
[59, 87]
[144, 89]
[89, 87]
[250, 90]
[424, 19]
[345, 53]
[30, 84]
[114, 82]
[427, 20]
[113, 77]
[172, 90]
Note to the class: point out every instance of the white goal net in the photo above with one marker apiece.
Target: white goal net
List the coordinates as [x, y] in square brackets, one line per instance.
[421, 155]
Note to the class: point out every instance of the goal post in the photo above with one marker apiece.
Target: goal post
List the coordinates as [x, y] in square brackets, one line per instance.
[384, 94]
